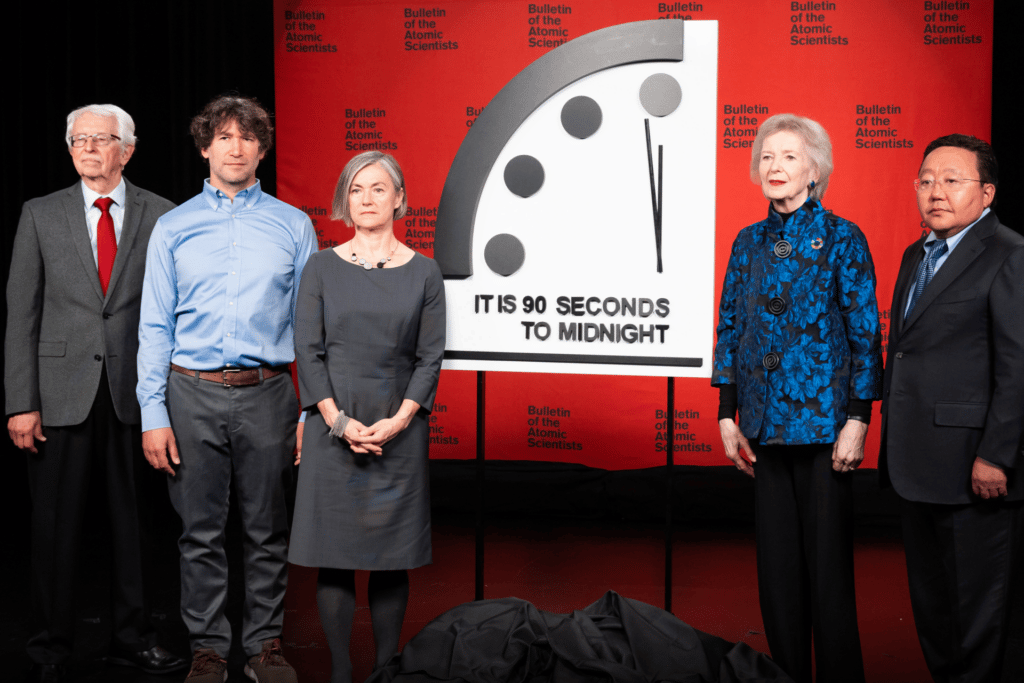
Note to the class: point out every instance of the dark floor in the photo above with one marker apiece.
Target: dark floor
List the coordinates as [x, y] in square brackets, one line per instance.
[558, 569]
[564, 568]
[558, 565]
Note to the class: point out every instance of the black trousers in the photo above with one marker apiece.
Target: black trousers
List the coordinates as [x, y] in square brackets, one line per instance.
[804, 533]
[100, 451]
[959, 566]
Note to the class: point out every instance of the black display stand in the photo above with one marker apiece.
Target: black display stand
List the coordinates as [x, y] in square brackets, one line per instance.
[481, 480]
[481, 441]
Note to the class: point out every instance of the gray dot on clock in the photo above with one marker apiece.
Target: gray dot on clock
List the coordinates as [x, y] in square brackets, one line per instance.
[660, 94]
[581, 117]
[524, 175]
[504, 254]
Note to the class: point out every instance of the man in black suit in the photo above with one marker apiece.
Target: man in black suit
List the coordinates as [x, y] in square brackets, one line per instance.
[72, 339]
[953, 411]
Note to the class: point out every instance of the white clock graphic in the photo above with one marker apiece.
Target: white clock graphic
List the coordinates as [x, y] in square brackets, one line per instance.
[576, 227]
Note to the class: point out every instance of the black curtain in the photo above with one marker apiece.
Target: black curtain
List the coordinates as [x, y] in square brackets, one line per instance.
[160, 61]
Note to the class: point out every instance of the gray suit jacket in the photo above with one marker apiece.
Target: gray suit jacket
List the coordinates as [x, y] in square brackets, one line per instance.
[61, 330]
[954, 375]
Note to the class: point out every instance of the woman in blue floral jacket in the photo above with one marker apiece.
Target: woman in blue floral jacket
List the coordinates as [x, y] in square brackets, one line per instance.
[799, 356]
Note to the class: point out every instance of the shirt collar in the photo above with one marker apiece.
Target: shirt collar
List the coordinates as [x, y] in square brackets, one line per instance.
[804, 213]
[951, 242]
[90, 195]
[246, 198]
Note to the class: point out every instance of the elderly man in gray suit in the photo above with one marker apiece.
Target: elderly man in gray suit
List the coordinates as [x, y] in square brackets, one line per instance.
[73, 316]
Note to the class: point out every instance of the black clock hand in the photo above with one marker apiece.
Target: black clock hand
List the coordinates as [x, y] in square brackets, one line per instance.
[661, 207]
[655, 193]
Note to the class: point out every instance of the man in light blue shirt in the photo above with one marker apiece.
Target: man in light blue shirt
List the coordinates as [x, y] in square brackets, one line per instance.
[218, 405]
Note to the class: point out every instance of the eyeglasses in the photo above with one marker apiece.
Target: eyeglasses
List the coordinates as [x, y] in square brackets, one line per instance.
[98, 139]
[946, 184]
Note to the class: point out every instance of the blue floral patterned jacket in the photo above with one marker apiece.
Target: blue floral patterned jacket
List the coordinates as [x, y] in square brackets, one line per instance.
[798, 326]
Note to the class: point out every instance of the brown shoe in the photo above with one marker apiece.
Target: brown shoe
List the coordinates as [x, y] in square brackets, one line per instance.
[270, 666]
[207, 667]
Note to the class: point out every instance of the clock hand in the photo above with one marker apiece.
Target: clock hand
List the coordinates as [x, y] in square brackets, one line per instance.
[655, 193]
[661, 207]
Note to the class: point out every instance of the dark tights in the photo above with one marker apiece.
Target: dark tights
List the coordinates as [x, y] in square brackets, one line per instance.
[388, 592]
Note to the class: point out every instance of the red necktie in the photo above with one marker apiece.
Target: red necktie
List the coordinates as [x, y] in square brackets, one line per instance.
[106, 242]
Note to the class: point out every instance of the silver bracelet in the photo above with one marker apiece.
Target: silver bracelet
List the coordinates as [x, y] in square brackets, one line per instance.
[340, 422]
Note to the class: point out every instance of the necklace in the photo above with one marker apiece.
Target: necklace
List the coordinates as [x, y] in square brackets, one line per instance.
[369, 266]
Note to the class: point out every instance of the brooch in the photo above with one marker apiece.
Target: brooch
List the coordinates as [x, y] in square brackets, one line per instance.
[817, 243]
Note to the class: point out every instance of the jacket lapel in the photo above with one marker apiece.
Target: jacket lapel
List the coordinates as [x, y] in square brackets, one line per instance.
[74, 208]
[969, 248]
[904, 281]
[134, 206]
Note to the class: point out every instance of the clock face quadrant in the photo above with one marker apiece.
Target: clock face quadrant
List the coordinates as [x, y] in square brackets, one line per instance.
[604, 183]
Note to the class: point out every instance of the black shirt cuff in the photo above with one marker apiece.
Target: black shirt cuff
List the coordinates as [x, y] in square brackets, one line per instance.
[728, 401]
[859, 410]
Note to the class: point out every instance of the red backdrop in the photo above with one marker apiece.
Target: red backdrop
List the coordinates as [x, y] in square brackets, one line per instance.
[878, 74]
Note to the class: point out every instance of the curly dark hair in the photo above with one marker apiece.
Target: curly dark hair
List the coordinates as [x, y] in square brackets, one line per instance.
[251, 117]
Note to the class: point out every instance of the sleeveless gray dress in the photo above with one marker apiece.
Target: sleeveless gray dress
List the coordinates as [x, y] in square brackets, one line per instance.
[369, 339]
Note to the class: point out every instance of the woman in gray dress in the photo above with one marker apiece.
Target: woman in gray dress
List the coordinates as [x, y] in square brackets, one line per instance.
[369, 338]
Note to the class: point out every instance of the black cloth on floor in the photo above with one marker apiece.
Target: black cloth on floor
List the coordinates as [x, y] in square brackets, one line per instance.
[615, 639]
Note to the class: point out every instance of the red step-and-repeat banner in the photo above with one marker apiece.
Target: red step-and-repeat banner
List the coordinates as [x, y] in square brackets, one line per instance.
[580, 170]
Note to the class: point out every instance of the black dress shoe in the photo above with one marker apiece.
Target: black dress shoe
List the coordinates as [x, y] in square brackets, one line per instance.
[155, 660]
[46, 673]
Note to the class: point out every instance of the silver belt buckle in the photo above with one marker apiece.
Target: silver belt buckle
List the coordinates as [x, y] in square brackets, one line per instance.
[224, 375]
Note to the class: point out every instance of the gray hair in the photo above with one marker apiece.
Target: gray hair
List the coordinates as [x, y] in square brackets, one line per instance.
[816, 142]
[340, 208]
[125, 124]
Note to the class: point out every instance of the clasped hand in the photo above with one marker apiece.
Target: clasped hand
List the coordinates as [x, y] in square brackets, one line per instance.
[363, 439]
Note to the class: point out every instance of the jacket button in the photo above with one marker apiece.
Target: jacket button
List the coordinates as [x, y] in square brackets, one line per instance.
[776, 305]
[899, 354]
[106, 316]
[98, 357]
[783, 249]
[770, 360]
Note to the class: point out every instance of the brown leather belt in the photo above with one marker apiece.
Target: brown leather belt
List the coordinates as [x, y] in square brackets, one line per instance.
[233, 377]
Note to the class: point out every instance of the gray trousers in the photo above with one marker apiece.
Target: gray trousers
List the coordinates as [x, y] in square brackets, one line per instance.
[245, 436]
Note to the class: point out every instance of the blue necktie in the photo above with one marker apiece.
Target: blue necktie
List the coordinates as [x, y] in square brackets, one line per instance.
[926, 270]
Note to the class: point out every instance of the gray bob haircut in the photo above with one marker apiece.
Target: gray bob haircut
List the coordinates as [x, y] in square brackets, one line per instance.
[816, 142]
[340, 208]
[125, 124]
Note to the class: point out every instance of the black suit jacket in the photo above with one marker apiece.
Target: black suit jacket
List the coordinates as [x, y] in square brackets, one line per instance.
[61, 329]
[954, 372]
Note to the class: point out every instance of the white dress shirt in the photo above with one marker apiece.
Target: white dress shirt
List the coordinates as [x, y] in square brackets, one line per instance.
[93, 213]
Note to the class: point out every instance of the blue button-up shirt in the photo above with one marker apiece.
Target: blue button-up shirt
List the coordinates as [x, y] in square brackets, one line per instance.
[220, 288]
